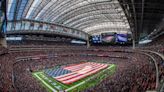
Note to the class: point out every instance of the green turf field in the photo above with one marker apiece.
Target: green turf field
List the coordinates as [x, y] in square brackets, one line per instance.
[54, 86]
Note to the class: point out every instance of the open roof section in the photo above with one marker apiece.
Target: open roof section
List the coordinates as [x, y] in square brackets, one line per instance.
[91, 16]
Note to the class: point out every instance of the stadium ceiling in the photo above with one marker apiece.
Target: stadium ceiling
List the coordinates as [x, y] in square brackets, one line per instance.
[145, 16]
[91, 16]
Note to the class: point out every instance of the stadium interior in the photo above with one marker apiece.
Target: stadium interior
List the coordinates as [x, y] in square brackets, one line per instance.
[81, 45]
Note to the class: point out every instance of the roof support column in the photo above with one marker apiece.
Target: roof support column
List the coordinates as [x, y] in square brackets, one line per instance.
[88, 44]
[142, 15]
[135, 30]
[134, 45]
[3, 26]
[16, 9]
[133, 38]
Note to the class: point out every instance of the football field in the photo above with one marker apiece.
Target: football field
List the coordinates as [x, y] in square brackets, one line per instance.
[54, 82]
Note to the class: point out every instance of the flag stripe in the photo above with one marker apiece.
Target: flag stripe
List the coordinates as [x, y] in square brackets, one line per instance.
[82, 76]
[77, 74]
[80, 67]
[80, 71]
[72, 65]
[70, 74]
[64, 75]
[70, 68]
[75, 68]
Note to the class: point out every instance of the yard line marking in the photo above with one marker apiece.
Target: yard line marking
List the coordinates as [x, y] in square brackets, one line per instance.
[45, 83]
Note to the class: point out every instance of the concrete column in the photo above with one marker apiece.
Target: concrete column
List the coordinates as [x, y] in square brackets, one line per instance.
[88, 44]
[134, 44]
[3, 42]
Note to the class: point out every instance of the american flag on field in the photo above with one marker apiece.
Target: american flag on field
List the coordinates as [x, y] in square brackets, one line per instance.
[75, 72]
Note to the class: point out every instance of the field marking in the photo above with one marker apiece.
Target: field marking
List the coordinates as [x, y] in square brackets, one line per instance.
[75, 86]
[54, 81]
[68, 89]
[45, 82]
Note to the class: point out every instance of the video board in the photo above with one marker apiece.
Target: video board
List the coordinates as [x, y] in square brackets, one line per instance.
[108, 37]
[121, 38]
[96, 39]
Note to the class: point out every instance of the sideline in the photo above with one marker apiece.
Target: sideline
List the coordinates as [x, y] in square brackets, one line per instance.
[53, 90]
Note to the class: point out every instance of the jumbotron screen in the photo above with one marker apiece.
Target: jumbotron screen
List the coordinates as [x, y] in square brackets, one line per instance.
[96, 39]
[111, 38]
[121, 38]
[108, 37]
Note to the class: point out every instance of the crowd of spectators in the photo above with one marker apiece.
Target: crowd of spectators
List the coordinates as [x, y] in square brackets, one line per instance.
[3, 50]
[5, 69]
[135, 73]
[136, 76]
[160, 64]
[159, 41]
[156, 45]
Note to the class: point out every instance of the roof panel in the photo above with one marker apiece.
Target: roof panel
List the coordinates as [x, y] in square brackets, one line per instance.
[85, 15]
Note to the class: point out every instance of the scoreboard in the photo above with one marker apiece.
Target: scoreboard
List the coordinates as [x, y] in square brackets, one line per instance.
[110, 38]
[96, 39]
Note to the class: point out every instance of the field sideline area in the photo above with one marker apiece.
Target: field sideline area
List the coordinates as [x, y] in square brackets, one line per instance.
[52, 85]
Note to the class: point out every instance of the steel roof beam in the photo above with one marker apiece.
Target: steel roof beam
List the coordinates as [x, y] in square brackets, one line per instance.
[88, 8]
